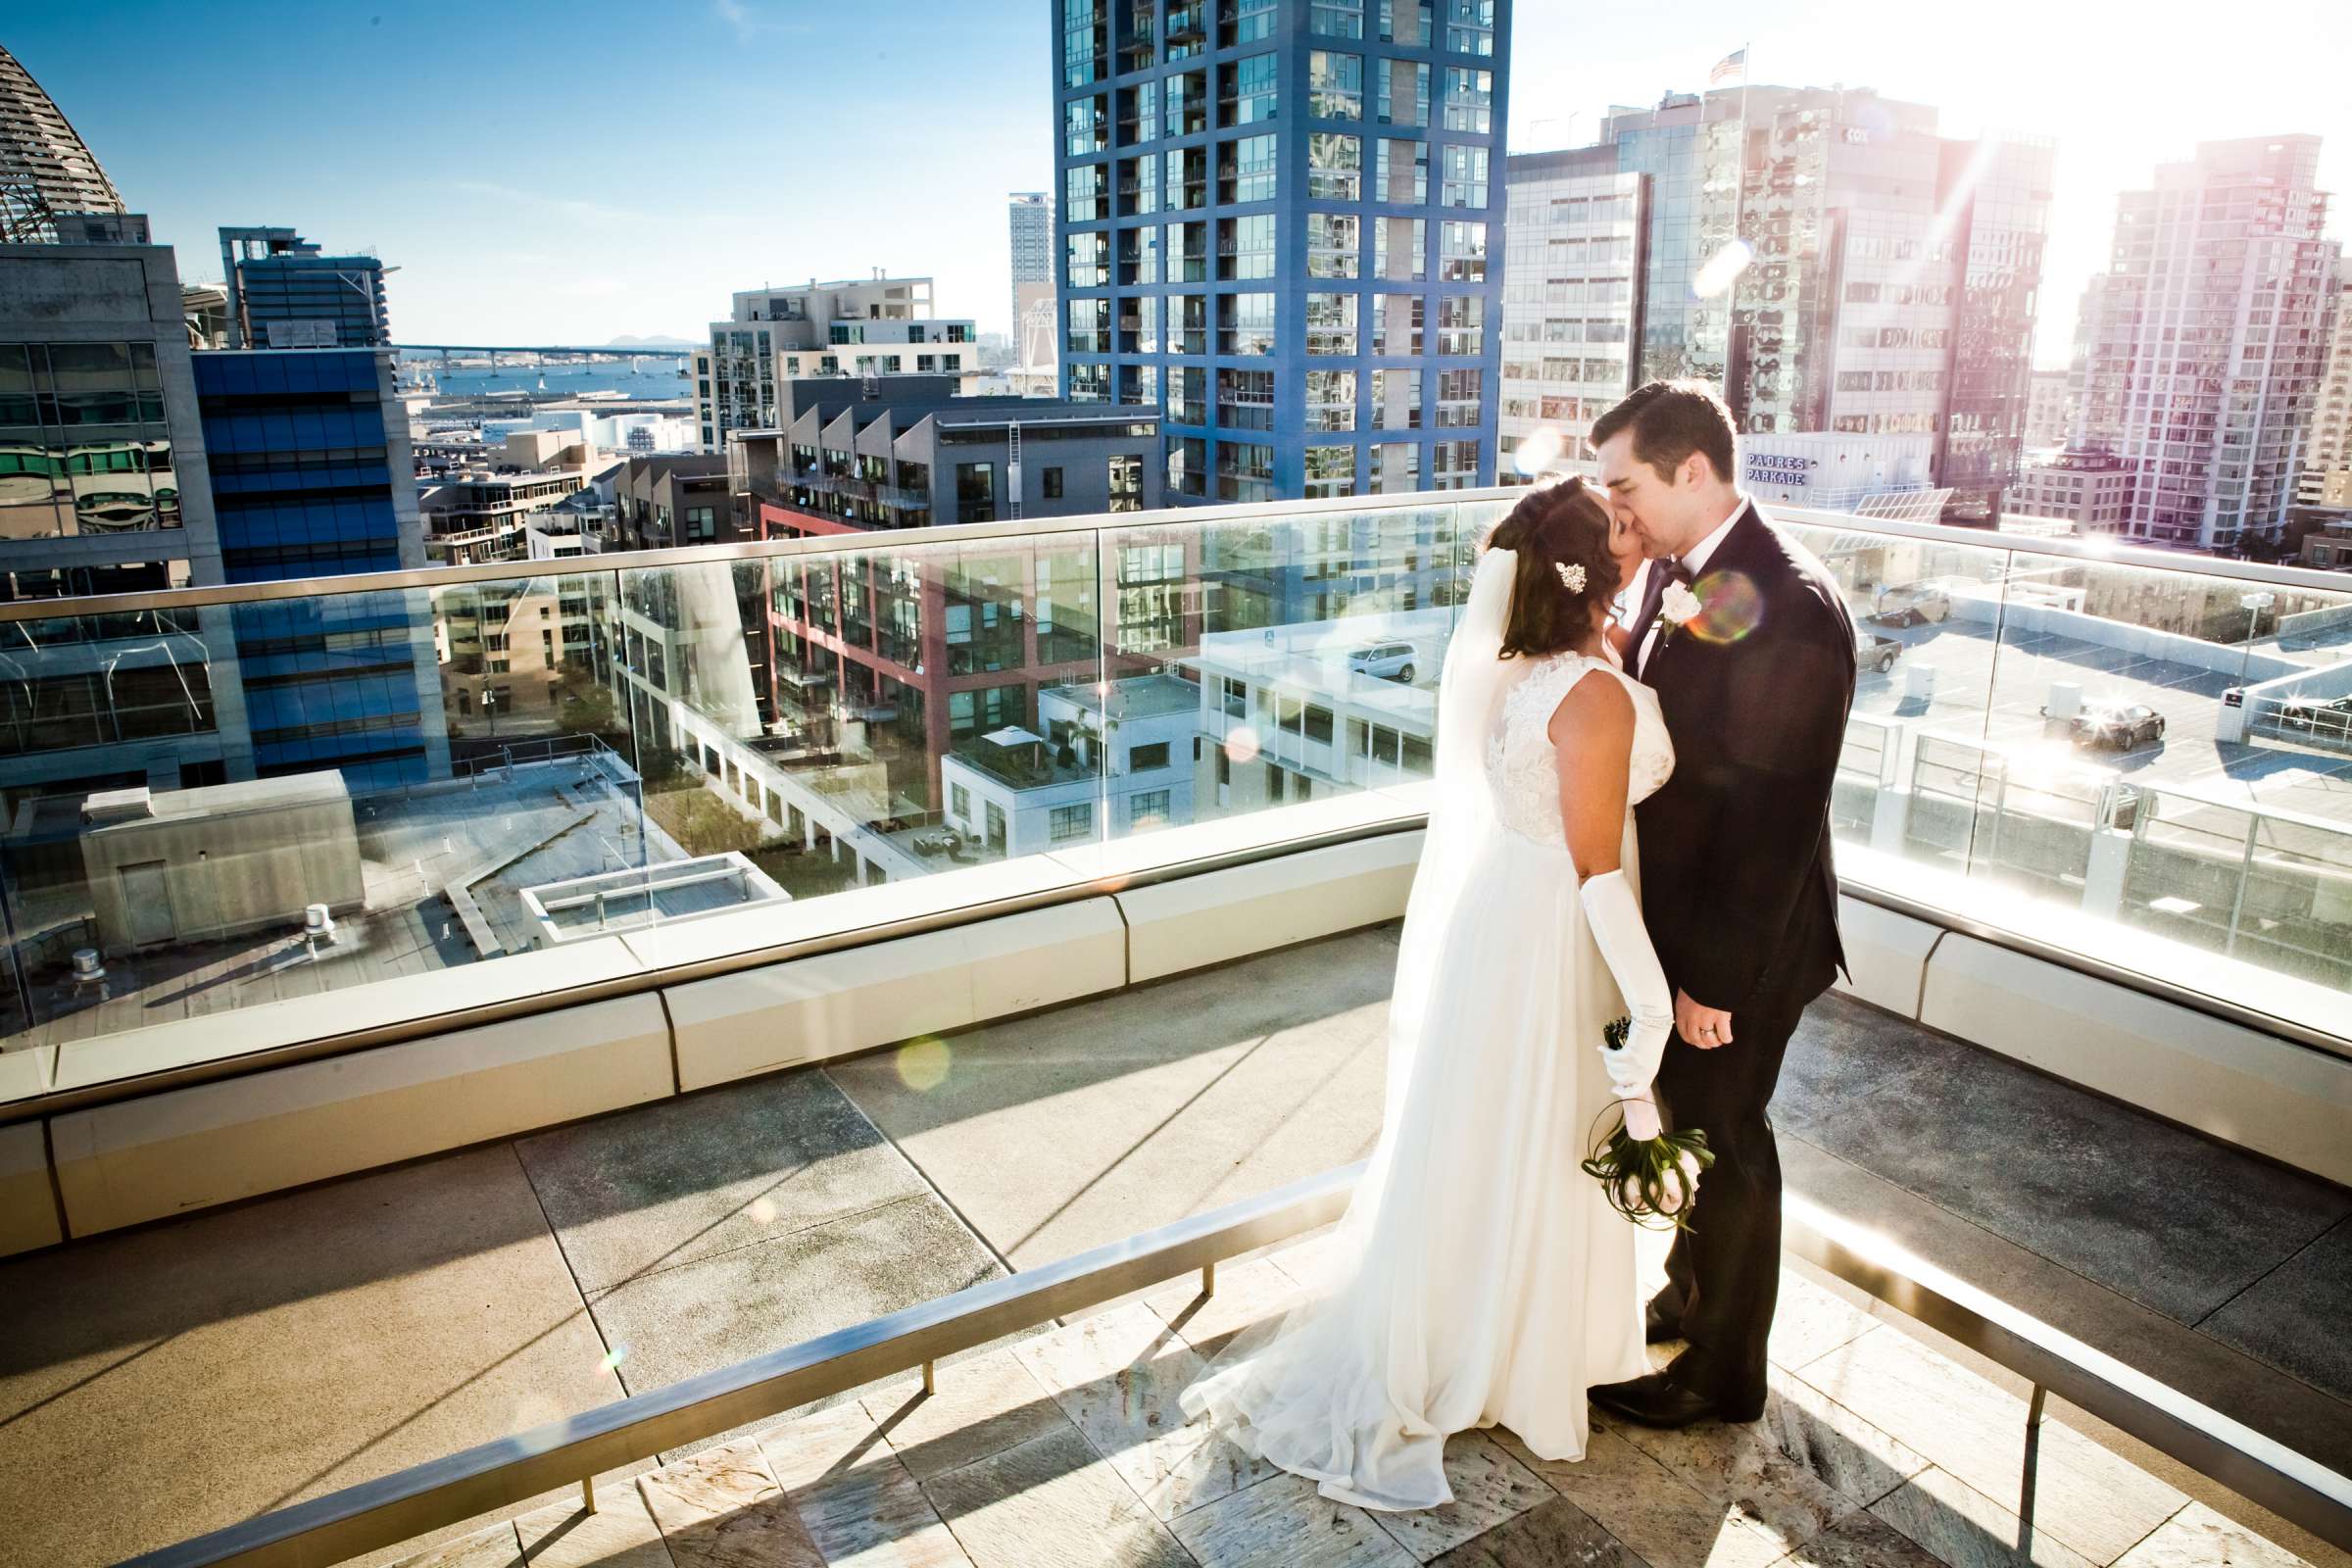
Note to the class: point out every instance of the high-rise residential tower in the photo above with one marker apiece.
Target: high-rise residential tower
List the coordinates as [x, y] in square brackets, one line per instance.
[1276, 218]
[283, 293]
[2328, 457]
[2203, 350]
[1886, 292]
[880, 325]
[1030, 214]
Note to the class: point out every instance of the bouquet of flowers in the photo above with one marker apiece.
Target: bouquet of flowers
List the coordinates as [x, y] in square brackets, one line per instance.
[1651, 1181]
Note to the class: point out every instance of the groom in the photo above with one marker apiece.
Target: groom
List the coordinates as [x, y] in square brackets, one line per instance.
[1750, 647]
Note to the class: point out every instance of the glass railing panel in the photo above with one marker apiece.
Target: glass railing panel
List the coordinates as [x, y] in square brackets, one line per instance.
[1268, 662]
[1916, 780]
[845, 719]
[223, 807]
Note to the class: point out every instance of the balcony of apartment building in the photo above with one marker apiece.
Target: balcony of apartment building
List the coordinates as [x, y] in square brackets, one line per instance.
[667, 1140]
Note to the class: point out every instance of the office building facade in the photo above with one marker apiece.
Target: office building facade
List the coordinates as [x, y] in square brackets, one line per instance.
[1029, 216]
[1890, 280]
[1275, 217]
[2206, 340]
[1569, 320]
[872, 326]
[284, 293]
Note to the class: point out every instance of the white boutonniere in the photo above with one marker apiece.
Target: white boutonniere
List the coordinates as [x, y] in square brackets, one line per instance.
[1675, 607]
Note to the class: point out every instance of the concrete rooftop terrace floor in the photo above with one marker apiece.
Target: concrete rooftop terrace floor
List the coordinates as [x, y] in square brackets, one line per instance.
[159, 1383]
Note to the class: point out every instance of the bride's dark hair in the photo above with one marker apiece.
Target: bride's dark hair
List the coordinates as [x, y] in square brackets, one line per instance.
[1561, 525]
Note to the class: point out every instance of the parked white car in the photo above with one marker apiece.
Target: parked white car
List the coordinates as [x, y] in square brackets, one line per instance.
[1395, 661]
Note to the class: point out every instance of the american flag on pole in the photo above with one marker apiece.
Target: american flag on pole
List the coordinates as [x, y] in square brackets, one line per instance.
[1733, 65]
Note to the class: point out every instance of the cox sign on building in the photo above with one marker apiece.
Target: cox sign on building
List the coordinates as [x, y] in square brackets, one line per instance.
[1832, 471]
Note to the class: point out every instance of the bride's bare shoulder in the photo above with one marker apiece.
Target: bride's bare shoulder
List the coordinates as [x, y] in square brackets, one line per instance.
[1596, 710]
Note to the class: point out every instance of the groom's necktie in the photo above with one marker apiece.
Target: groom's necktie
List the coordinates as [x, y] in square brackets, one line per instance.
[1670, 569]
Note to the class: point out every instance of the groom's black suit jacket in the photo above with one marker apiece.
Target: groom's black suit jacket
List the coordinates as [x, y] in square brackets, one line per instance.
[1738, 886]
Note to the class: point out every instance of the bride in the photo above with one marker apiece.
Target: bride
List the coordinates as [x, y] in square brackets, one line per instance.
[1480, 1276]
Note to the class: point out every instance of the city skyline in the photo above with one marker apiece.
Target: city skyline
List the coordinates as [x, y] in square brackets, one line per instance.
[511, 208]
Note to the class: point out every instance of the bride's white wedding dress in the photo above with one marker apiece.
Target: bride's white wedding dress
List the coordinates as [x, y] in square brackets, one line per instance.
[1479, 1277]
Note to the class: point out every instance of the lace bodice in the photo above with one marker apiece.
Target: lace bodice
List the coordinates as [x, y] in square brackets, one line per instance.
[1520, 766]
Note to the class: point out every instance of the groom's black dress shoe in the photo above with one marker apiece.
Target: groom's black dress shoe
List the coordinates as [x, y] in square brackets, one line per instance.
[1654, 1401]
[1658, 1326]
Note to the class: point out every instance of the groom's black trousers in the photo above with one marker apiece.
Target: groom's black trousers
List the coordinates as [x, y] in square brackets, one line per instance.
[1723, 1274]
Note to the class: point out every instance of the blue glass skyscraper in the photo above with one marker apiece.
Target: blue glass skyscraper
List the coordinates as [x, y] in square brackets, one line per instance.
[1281, 222]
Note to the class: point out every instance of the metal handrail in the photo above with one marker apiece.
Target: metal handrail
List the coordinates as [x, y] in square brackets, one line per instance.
[412, 1502]
[2098, 552]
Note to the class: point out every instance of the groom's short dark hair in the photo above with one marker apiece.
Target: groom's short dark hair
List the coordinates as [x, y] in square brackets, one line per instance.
[1670, 421]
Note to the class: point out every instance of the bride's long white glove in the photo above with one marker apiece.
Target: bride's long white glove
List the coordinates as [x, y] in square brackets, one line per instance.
[1614, 917]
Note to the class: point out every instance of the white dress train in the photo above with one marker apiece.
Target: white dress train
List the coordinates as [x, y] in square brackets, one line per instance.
[1477, 1277]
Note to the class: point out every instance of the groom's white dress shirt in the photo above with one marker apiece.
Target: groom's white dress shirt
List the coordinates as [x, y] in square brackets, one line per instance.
[1694, 561]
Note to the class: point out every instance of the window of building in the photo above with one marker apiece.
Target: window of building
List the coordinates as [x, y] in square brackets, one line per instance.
[1400, 249]
[1124, 477]
[1187, 103]
[1072, 821]
[960, 803]
[995, 827]
[1139, 114]
[1330, 471]
[1400, 176]
[1088, 326]
[1053, 483]
[1087, 260]
[1188, 326]
[1188, 463]
[1331, 323]
[1089, 383]
[1460, 397]
[1397, 325]
[1247, 324]
[1249, 91]
[1334, 165]
[975, 492]
[1083, 195]
[1145, 758]
[1246, 169]
[1396, 400]
[1469, 98]
[1330, 401]
[1334, 85]
[1334, 244]
[1147, 808]
[1404, 95]
[1246, 400]
[1461, 323]
[1407, 22]
[1470, 27]
[1241, 22]
[1466, 183]
[1246, 247]
[1244, 471]
[1461, 252]
[1086, 126]
[1396, 468]
[1186, 184]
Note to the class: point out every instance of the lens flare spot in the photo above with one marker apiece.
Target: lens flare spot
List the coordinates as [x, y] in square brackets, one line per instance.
[1729, 606]
[1242, 745]
[1539, 452]
[1722, 270]
[614, 1356]
[762, 1211]
[923, 1063]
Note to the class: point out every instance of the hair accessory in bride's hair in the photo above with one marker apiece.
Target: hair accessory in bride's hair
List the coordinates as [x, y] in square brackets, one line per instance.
[1572, 575]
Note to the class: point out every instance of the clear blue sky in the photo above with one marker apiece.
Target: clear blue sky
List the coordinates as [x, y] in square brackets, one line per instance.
[574, 171]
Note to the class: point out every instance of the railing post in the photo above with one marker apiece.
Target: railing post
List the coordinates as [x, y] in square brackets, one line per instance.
[2025, 1496]
[930, 1377]
[1208, 1278]
[588, 1493]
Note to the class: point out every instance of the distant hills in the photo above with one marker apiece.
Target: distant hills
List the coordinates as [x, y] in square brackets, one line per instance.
[631, 341]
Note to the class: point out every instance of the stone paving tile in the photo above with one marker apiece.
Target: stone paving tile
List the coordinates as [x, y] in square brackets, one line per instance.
[1861, 1541]
[981, 1406]
[1488, 1485]
[1246, 1294]
[1665, 1521]
[1117, 1376]
[2069, 1175]
[621, 1534]
[1776, 1474]
[2197, 1537]
[1961, 1526]
[707, 1173]
[496, 1547]
[715, 1311]
[2274, 1319]
[1284, 1520]
[859, 1502]
[1811, 1321]
[2086, 1497]
[722, 1508]
[1551, 1534]
[1050, 1503]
